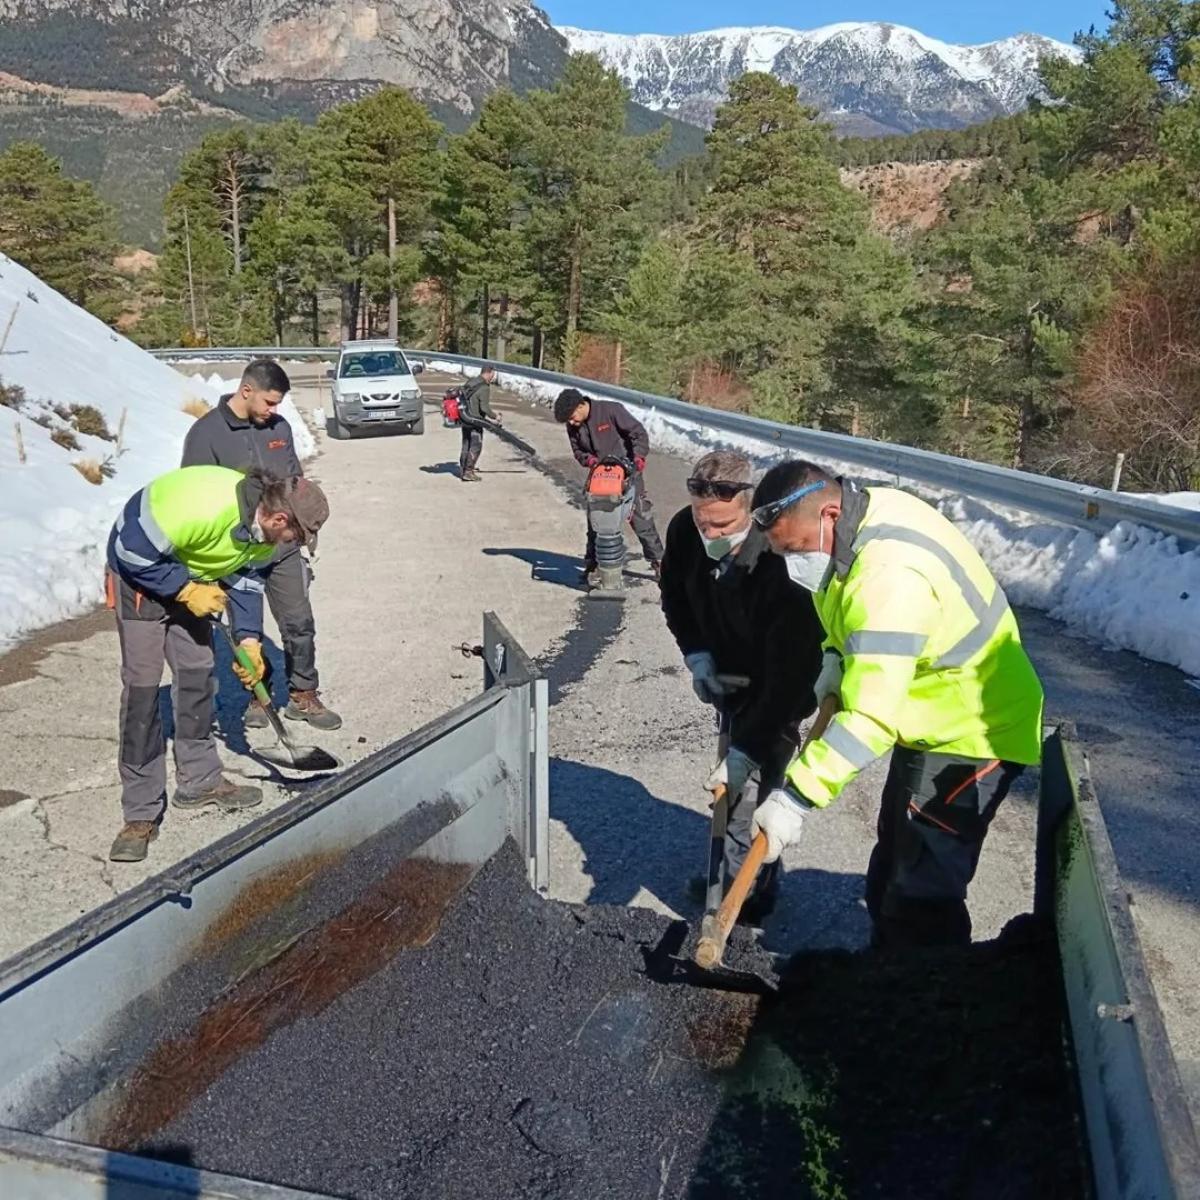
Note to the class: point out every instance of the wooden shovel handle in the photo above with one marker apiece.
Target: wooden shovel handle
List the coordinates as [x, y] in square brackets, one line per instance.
[712, 941]
[713, 938]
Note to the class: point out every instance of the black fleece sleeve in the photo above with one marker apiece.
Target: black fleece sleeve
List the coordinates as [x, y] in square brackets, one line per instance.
[676, 606]
[788, 663]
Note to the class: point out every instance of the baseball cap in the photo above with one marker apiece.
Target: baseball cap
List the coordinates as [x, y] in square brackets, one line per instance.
[309, 509]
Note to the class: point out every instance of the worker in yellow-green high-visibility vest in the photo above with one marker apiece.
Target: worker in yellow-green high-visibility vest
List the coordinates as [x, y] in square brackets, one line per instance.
[923, 655]
[184, 549]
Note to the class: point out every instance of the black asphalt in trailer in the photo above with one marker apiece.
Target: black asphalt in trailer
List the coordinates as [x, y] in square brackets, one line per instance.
[523, 1052]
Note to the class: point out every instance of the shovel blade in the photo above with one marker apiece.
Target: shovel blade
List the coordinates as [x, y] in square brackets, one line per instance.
[299, 758]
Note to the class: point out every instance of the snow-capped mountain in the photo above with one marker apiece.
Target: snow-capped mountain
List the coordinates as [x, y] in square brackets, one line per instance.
[868, 77]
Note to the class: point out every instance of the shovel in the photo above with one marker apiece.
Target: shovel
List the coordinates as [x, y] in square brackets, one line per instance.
[286, 754]
[668, 963]
[714, 931]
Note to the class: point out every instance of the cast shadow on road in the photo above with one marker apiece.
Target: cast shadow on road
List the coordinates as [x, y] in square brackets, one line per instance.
[545, 566]
[634, 841]
[452, 468]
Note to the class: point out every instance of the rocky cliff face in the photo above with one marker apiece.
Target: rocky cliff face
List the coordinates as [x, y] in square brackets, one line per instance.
[450, 53]
[868, 77]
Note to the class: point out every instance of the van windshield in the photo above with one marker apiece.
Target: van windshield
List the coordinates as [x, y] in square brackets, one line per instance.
[377, 362]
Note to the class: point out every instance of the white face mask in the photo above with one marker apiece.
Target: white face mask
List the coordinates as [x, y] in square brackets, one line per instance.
[810, 569]
[717, 548]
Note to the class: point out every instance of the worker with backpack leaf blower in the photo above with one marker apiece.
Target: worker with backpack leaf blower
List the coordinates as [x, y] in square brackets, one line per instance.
[600, 430]
[475, 413]
[734, 613]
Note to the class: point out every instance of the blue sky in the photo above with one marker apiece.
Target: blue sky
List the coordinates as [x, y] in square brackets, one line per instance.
[950, 20]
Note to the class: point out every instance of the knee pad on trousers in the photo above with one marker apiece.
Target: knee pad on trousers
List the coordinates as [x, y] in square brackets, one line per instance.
[141, 727]
[193, 704]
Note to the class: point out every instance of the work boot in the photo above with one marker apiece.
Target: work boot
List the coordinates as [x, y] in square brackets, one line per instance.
[132, 842]
[256, 716]
[227, 796]
[307, 706]
[656, 567]
[472, 477]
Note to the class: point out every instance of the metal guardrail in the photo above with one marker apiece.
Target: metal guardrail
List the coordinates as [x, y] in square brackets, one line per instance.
[1140, 1135]
[1090, 508]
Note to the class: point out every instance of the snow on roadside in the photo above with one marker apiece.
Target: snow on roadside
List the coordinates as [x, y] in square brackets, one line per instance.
[54, 524]
[1132, 588]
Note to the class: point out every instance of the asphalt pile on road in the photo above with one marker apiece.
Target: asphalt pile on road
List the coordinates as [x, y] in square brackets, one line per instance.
[524, 1052]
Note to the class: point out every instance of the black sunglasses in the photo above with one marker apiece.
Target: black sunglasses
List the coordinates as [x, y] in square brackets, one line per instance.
[767, 514]
[716, 489]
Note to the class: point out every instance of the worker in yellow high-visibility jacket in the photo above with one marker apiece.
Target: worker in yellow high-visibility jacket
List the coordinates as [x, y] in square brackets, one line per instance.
[924, 655]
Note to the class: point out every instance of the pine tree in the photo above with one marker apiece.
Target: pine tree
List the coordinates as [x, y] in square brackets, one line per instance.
[59, 229]
[477, 250]
[595, 195]
[772, 243]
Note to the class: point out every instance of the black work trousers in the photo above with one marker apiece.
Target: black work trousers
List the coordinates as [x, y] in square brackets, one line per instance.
[287, 583]
[933, 817]
[472, 447]
[642, 519]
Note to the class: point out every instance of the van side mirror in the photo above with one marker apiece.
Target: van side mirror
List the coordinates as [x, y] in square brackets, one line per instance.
[330, 372]
[417, 368]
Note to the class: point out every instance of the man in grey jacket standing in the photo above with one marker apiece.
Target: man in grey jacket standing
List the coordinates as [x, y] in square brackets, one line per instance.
[475, 411]
[245, 430]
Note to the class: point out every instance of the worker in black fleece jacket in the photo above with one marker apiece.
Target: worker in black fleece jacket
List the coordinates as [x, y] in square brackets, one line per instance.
[733, 611]
[599, 429]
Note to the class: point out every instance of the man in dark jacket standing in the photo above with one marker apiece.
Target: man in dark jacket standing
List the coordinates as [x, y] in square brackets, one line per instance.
[245, 431]
[733, 611]
[474, 408]
[599, 429]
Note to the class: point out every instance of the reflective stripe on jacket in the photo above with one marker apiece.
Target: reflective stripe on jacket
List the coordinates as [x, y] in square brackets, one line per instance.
[931, 654]
[194, 523]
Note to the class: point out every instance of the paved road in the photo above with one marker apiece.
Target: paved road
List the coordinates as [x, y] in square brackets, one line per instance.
[411, 559]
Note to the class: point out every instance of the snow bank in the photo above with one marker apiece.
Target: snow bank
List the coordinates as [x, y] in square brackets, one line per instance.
[54, 524]
[1130, 589]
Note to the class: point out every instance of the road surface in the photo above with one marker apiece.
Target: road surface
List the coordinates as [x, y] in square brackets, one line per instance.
[412, 557]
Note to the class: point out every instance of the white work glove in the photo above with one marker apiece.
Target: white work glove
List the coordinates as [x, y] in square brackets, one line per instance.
[708, 688]
[781, 819]
[732, 772]
[829, 681]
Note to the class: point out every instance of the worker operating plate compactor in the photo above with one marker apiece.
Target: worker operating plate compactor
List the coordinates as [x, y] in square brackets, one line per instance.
[609, 496]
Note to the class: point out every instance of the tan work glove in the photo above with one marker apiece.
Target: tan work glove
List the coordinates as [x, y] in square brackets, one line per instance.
[202, 599]
[254, 652]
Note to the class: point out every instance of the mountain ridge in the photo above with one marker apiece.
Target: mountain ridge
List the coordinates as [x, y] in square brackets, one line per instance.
[865, 76]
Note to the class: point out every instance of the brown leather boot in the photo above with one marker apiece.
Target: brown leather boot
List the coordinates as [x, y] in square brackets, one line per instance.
[133, 841]
[307, 706]
[226, 795]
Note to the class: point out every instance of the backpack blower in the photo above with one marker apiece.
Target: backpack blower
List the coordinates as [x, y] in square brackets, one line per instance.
[452, 409]
[609, 498]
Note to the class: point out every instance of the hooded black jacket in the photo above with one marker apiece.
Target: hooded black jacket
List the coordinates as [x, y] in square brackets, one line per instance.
[754, 621]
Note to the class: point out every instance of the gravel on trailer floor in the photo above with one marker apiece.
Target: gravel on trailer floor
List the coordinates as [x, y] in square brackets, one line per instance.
[524, 1052]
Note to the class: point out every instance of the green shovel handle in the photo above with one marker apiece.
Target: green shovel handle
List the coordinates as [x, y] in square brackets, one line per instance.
[260, 689]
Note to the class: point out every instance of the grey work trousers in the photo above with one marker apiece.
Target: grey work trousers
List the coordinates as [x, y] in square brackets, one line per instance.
[642, 520]
[933, 817]
[287, 582]
[152, 632]
[737, 830]
[472, 447]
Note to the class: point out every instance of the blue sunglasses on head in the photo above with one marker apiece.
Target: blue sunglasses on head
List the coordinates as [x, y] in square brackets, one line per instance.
[767, 514]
